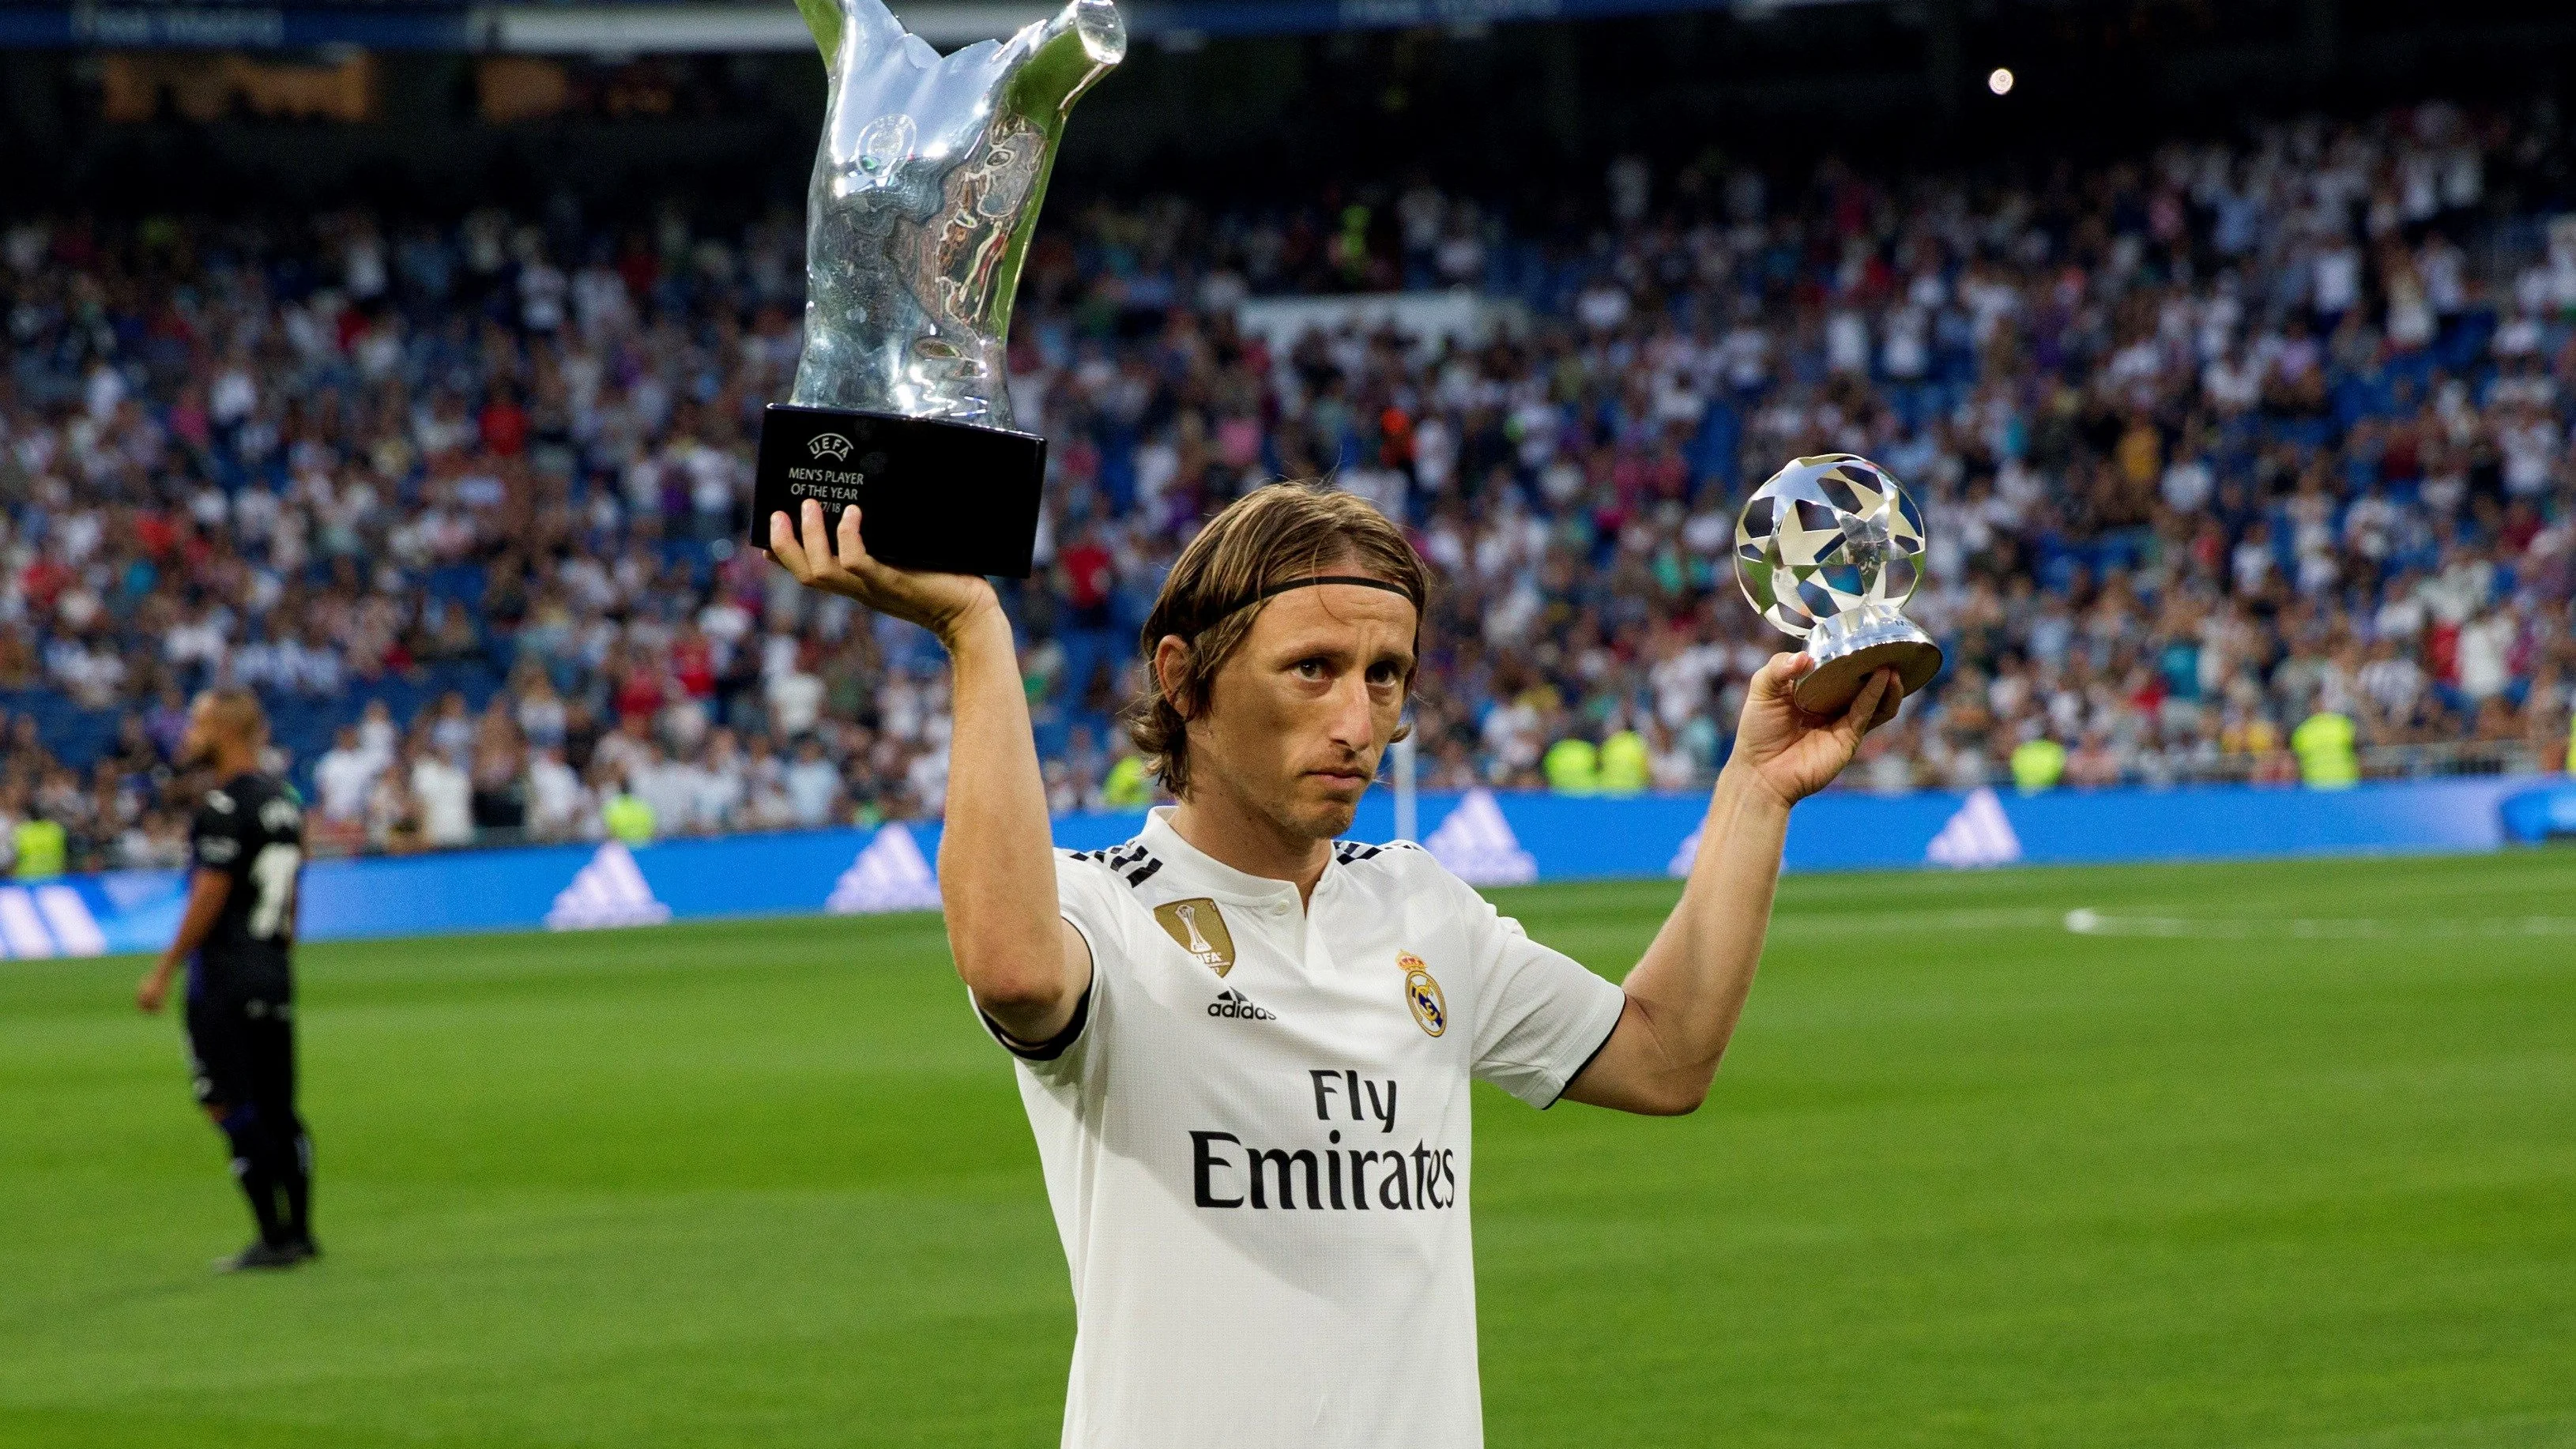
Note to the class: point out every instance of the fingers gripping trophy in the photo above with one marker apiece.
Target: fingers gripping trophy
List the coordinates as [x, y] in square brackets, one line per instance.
[1828, 550]
[924, 196]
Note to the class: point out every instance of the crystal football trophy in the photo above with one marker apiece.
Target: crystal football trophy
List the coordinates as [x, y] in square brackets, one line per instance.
[925, 193]
[1828, 550]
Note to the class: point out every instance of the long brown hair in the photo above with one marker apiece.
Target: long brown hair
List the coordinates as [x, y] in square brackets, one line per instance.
[1268, 537]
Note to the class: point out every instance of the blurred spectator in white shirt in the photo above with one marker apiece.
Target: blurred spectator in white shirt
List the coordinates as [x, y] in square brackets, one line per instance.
[446, 799]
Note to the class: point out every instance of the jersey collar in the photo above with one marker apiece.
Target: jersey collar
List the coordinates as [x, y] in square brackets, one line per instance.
[1207, 872]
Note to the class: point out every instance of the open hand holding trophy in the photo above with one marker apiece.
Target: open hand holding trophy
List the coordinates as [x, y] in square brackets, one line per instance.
[1828, 550]
[925, 193]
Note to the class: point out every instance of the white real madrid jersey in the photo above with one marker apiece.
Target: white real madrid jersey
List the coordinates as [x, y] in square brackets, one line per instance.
[1257, 1146]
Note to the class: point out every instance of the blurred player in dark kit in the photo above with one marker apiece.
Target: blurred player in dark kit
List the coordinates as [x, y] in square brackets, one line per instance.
[238, 937]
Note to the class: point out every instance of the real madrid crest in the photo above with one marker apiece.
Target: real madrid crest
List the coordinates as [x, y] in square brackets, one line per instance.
[1200, 930]
[1422, 993]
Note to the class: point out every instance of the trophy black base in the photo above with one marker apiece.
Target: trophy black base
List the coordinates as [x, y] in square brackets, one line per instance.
[1849, 648]
[951, 498]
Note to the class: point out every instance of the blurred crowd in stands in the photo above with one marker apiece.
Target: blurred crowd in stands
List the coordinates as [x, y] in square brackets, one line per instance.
[2239, 461]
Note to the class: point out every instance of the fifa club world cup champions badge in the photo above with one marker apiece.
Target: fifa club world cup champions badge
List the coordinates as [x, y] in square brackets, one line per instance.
[1829, 550]
[924, 197]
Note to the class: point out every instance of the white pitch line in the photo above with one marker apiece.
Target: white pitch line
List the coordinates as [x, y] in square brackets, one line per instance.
[1881, 921]
[2086, 921]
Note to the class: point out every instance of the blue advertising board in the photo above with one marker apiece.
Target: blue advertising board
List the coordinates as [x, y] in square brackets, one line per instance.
[1487, 838]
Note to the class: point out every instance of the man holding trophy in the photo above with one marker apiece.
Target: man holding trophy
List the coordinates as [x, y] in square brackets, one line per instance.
[1246, 1046]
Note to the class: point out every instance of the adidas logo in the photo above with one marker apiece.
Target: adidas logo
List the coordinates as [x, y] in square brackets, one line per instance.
[1685, 855]
[48, 920]
[1237, 1006]
[609, 891]
[889, 874]
[1981, 834]
[1476, 843]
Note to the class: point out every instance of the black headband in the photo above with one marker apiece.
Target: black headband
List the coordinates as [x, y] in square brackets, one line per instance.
[1309, 582]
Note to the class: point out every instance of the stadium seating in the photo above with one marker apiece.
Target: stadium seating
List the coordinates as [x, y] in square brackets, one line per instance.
[2211, 441]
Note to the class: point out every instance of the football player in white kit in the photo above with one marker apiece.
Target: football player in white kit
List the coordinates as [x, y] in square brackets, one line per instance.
[1244, 1045]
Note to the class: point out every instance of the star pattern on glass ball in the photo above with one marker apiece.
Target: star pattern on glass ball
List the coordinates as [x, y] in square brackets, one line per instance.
[1826, 535]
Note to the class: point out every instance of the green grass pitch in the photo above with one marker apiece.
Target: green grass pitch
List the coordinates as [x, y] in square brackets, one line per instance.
[2278, 1155]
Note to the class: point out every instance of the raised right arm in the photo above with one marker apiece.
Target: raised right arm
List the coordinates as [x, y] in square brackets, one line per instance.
[1027, 968]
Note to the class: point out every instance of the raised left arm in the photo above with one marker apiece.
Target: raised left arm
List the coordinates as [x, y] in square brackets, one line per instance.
[1688, 989]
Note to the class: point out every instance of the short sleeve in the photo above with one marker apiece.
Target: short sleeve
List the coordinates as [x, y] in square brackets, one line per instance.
[217, 837]
[1086, 903]
[1542, 1014]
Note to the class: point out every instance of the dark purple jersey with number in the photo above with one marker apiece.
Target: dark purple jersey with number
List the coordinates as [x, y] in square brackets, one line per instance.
[251, 828]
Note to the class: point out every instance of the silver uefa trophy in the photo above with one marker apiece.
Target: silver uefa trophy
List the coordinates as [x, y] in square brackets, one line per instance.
[1828, 550]
[925, 193]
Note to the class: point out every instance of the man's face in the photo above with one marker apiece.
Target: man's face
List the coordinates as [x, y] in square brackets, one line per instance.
[197, 746]
[1298, 716]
